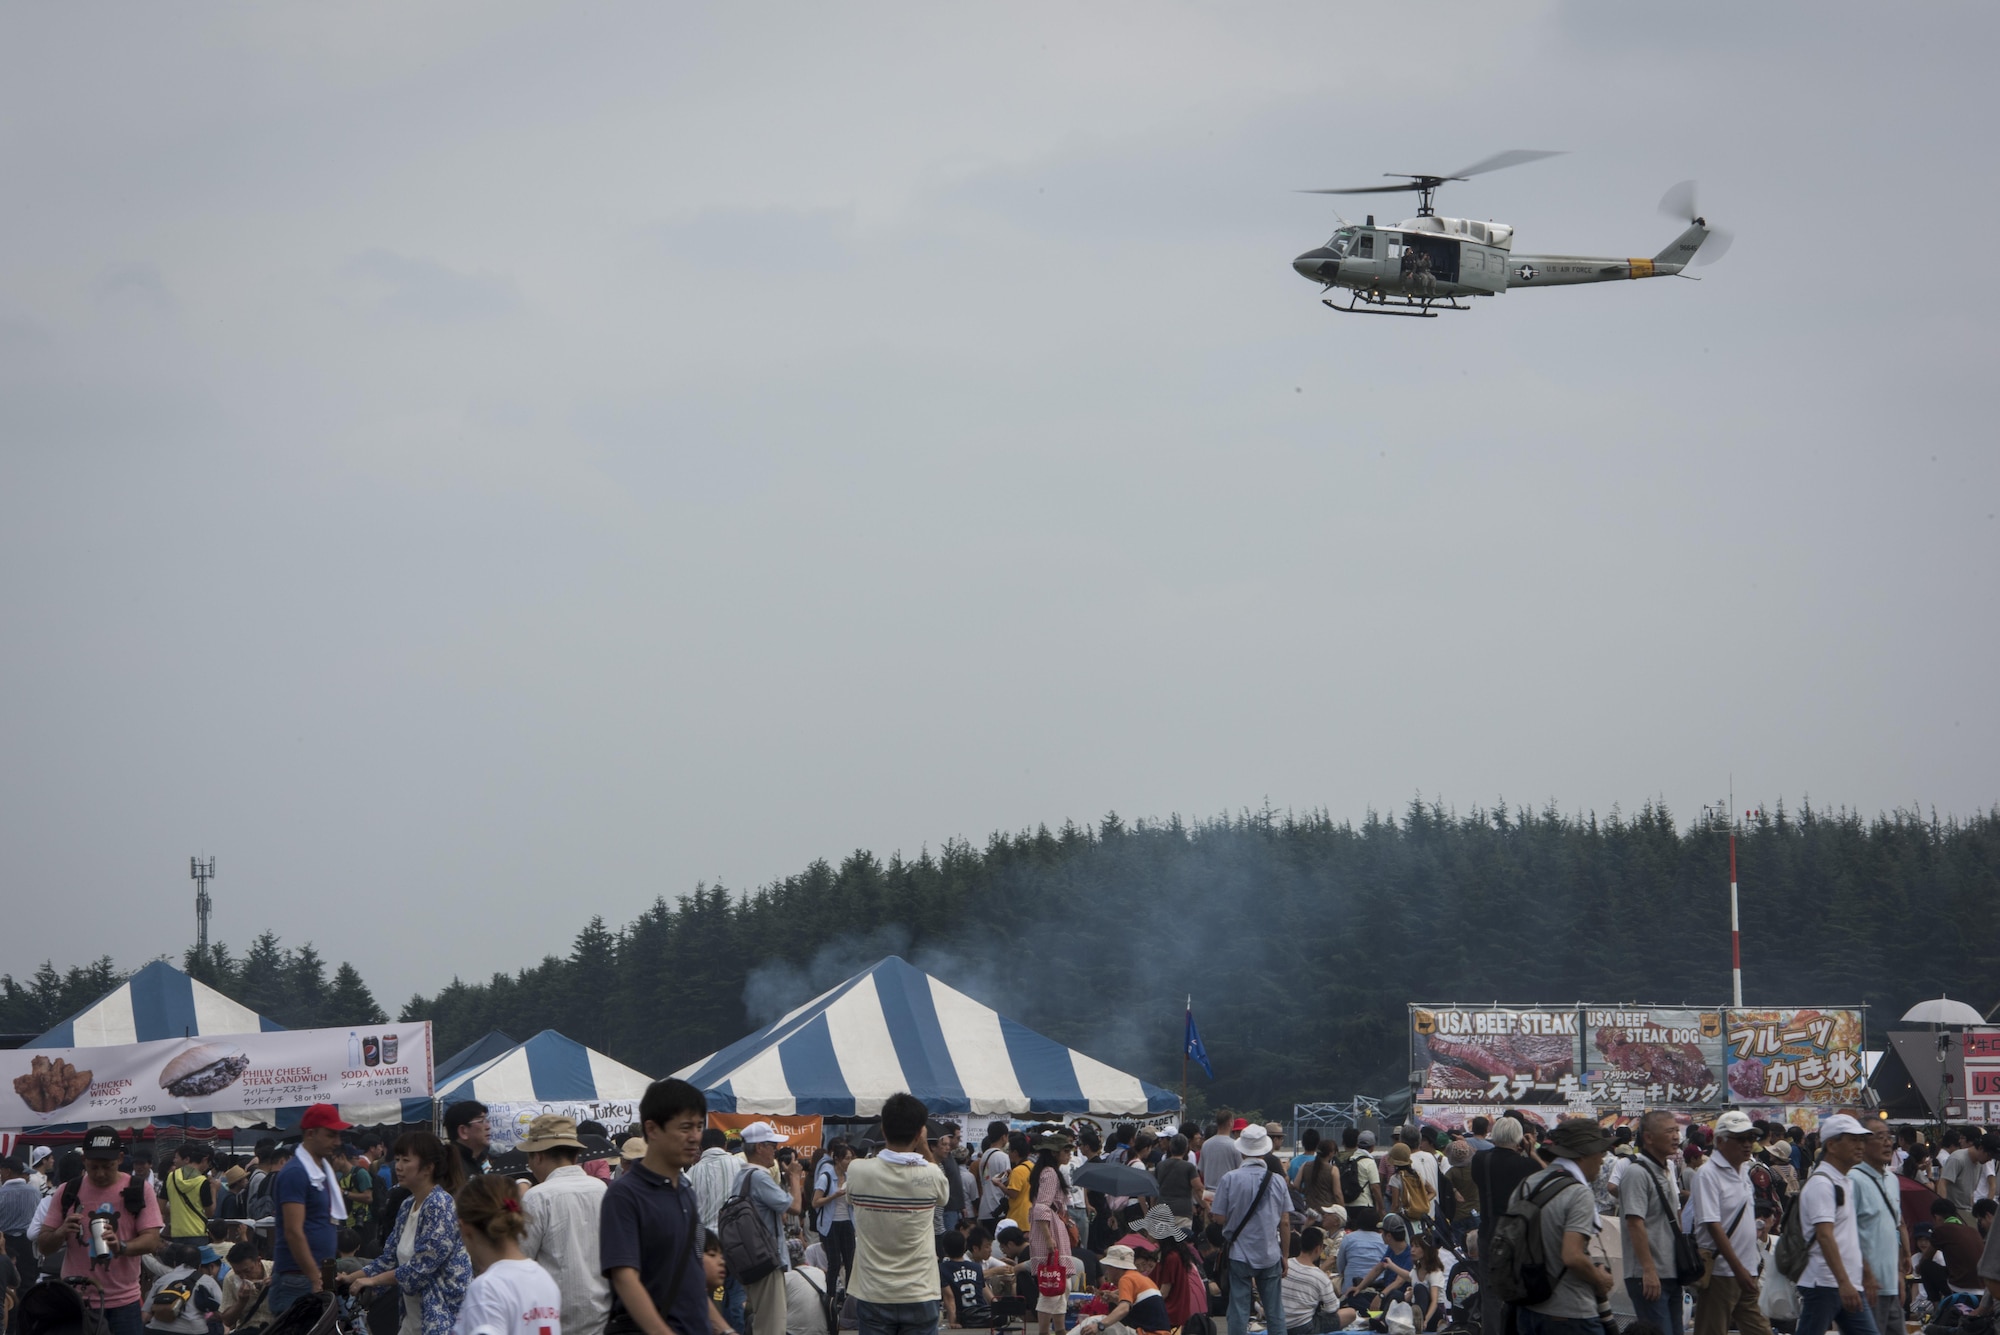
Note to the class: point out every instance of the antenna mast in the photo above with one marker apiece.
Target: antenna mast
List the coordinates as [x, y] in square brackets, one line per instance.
[203, 873]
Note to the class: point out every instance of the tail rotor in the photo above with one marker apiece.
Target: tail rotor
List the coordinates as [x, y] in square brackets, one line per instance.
[1679, 202]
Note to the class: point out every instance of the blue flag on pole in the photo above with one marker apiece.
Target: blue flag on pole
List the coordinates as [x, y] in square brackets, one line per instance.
[1195, 1051]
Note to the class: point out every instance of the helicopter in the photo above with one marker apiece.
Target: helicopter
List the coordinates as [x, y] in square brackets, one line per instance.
[1427, 264]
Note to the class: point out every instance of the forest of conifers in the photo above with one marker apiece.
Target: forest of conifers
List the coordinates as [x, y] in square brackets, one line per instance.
[1302, 939]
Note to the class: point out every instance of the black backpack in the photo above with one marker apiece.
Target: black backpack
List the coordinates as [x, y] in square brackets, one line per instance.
[1350, 1179]
[260, 1199]
[1446, 1204]
[747, 1244]
[1516, 1270]
[57, 1307]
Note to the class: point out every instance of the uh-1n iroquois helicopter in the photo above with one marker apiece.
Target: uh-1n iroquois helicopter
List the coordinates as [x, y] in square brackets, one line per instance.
[1424, 264]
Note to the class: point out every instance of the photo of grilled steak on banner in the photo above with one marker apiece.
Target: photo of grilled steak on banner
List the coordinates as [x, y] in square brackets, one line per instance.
[1441, 1077]
[1543, 1058]
[1666, 1063]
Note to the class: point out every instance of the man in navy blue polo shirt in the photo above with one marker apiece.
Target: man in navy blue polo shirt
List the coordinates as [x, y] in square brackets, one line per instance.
[650, 1224]
[309, 1205]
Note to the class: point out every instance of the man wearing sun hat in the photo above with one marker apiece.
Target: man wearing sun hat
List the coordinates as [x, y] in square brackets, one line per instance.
[1831, 1287]
[1569, 1225]
[1140, 1304]
[1254, 1209]
[564, 1209]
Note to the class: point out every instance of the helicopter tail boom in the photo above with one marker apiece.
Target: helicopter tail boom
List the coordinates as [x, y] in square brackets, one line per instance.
[1677, 255]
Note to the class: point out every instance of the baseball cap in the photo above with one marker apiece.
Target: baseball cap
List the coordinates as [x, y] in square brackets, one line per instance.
[103, 1142]
[208, 1256]
[1005, 1226]
[1735, 1122]
[1367, 1140]
[323, 1116]
[1238, 1125]
[1393, 1223]
[37, 1154]
[1839, 1124]
[763, 1133]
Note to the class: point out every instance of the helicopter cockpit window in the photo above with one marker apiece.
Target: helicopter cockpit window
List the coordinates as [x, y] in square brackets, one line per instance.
[1341, 241]
[1364, 247]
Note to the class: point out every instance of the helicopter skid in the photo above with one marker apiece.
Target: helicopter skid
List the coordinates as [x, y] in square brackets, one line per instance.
[1362, 303]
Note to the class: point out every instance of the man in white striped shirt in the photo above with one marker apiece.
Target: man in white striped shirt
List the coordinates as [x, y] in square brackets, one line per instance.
[896, 1284]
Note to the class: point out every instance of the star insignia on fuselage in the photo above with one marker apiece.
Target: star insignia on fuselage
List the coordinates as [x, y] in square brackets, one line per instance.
[1525, 273]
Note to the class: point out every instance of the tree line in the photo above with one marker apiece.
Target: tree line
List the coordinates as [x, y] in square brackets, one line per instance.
[1302, 938]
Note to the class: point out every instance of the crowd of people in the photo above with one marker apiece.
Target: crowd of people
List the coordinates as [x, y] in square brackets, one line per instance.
[1509, 1227]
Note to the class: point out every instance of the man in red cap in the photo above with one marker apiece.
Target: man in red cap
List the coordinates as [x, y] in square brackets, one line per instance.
[310, 1206]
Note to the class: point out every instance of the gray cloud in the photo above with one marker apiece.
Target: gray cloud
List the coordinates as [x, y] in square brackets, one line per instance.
[425, 290]
[135, 287]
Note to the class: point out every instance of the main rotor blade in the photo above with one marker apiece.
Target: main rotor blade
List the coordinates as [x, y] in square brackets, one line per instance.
[1513, 157]
[1366, 190]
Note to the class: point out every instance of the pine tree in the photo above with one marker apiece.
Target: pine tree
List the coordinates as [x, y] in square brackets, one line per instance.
[349, 1002]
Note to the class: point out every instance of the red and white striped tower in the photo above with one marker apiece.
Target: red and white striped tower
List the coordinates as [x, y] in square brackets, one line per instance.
[1735, 933]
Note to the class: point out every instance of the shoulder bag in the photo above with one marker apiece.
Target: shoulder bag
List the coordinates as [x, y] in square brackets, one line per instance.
[1229, 1239]
[1688, 1267]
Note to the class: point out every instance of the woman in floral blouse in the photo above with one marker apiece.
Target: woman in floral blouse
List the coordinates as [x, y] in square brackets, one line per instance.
[424, 1255]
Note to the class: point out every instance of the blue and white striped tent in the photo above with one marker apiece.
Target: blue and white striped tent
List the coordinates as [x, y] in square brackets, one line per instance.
[894, 1028]
[548, 1068]
[157, 1002]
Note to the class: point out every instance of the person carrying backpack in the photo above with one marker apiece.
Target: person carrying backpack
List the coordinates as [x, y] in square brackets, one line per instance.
[187, 1300]
[1540, 1264]
[1834, 1275]
[1360, 1179]
[125, 1212]
[751, 1225]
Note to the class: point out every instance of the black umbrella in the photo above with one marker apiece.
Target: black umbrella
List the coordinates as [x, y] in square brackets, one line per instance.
[1115, 1179]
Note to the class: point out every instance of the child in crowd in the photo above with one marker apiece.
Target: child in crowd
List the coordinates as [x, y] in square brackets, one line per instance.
[1138, 1303]
[964, 1283]
[509, 1294]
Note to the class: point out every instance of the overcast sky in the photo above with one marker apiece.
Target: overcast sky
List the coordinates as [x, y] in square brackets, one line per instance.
[472, 465]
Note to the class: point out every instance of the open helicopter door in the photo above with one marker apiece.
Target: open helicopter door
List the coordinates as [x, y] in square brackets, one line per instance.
[1441, 251]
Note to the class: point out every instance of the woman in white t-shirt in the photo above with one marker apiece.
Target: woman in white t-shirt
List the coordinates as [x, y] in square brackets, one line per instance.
[509, 1294]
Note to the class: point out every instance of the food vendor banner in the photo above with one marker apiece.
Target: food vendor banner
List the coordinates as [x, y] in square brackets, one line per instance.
[1795, 1056]
[1982, 1075]
[288, 1068]
[1495, 1055]
[507, 1123]
[1652, 1055]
